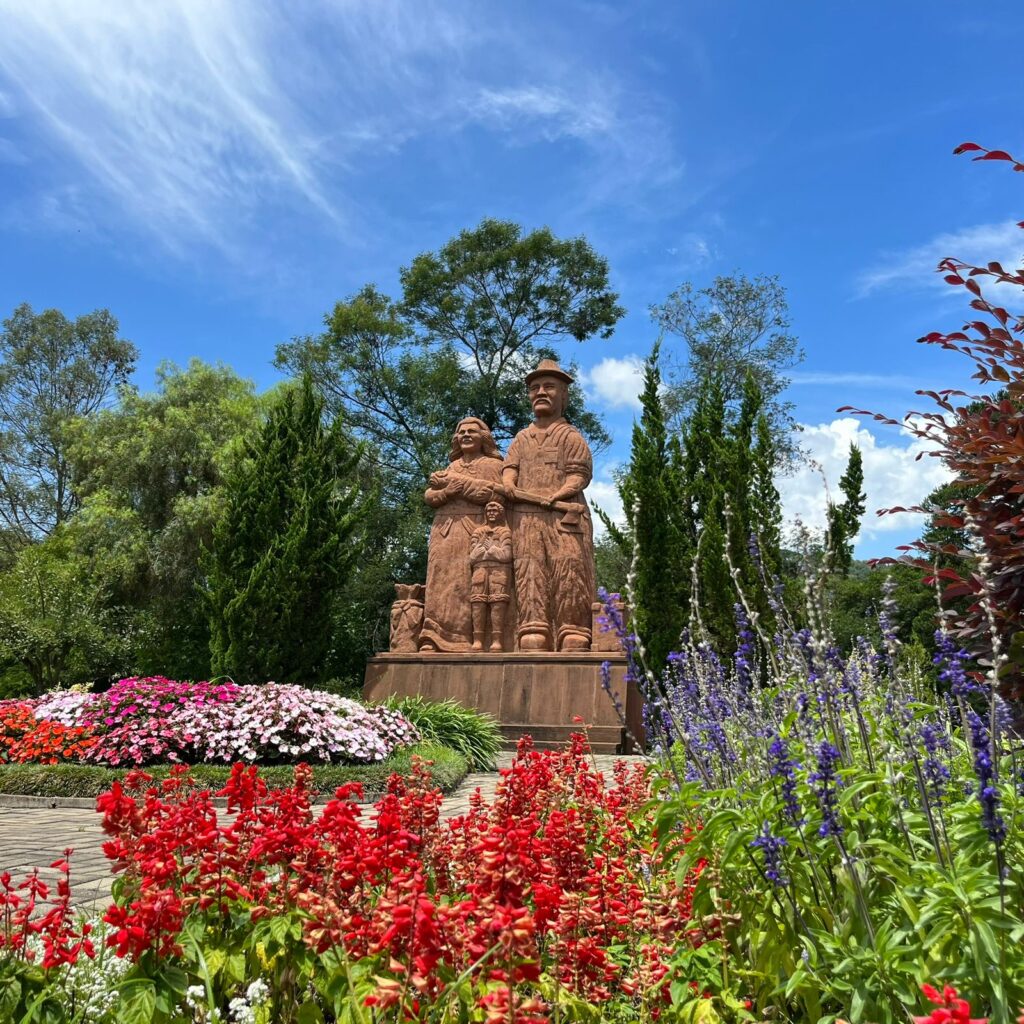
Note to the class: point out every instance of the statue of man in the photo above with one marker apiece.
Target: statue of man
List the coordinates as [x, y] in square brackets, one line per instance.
[546, 469]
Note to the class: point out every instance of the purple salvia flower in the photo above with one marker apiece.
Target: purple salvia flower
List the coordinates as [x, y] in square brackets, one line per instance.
[827, 785]
[783, 768]
[771, 847]
[951, 666]
[984, 770]
[934, 768]
[606, 685]
[744, 657]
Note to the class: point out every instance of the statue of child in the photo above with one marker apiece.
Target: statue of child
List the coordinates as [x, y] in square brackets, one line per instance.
[490, 559]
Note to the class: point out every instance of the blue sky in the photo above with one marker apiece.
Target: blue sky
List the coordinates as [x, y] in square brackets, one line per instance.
[219, 173]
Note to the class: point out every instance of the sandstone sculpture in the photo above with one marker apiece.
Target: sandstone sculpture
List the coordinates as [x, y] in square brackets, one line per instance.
[547, 467]
[406, 618]
[459, 494]
[490, 556]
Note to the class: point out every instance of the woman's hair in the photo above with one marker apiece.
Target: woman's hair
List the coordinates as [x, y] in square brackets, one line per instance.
[488, 448]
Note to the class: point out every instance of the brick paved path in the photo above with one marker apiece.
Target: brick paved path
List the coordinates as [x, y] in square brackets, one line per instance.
[37, 836]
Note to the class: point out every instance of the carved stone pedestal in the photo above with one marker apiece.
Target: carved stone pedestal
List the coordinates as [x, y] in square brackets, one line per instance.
[528, 693]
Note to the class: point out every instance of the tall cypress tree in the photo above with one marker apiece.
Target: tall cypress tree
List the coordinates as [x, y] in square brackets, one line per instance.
[653, 500]
[844, 519]
[286, 543]
[708, 465]
[765, 503]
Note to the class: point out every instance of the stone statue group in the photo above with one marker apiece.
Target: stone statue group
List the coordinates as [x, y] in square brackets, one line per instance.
[511, 556]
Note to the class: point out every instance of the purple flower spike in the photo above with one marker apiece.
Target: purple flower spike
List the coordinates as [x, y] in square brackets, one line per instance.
[783, 768]
[988, 795]
[827, 785]
[771, 846]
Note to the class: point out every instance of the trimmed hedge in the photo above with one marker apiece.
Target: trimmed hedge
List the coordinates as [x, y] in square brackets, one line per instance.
[74, 780]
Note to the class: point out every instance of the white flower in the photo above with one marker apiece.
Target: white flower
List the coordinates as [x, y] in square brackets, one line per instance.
[258, 992]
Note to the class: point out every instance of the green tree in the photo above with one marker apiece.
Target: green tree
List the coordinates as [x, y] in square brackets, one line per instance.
[292, 529]
[765, 505]
[55, 617]
[474, 318]
[735, 328]
[845, 518]
[150, 475]
[500, 296]
[52, 371]
[659, 532]
[611, 563]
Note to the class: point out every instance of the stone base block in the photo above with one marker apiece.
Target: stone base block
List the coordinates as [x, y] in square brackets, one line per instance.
[536, 694]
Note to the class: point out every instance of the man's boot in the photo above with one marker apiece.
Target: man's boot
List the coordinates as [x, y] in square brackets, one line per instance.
[498, 626]
[479, 622]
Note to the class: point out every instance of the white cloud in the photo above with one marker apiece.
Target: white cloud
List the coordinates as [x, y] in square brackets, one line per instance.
[615, 383]
[196, 119]
[871, 380]
[603, 493]
[555, 111]
[893, 475]
[916, 267]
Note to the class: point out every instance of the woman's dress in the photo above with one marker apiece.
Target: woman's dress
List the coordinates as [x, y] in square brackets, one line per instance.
[447, 613]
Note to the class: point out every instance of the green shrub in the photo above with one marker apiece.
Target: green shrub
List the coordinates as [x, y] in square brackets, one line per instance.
[474, 734]
[71, 780]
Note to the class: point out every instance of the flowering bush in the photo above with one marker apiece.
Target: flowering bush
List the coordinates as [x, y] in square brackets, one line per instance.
[550, 900]
[861, 833]
[68, 707]
[156, 720]
[24, 737]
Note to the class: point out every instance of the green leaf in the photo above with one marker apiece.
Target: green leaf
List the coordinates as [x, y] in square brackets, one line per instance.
[10, 996]
[309, 1013]
[215, 961]
[138, 1001]
[235, 967]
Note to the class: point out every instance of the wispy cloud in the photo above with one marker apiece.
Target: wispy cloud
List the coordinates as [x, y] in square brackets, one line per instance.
[172, 109]
[552, 111]
[826, 378]
[198, 119]
[915, 267]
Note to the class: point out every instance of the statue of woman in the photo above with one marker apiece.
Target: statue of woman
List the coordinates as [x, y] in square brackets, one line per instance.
[459, 493]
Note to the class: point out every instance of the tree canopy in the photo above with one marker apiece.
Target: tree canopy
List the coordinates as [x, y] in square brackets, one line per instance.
[291, 532]
[474, 318]
[52, 371]
[734, 328]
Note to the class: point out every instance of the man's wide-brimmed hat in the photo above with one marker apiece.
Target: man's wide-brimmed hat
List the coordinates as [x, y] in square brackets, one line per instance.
[548, 368]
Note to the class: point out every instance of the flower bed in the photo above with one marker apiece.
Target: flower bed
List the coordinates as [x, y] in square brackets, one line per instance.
[553, 901]
[154, 720]
[862, 832]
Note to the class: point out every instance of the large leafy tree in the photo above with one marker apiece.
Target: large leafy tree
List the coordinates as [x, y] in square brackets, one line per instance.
[292, 529]
[474, 317]
[52, 371]
[56, 618]
[734, 328]
[150, 476]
